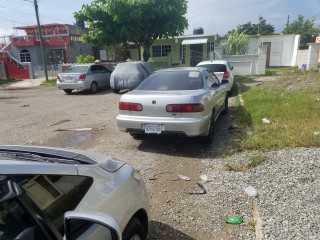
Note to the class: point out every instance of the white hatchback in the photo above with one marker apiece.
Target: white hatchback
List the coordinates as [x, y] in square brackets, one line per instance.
[222, 69]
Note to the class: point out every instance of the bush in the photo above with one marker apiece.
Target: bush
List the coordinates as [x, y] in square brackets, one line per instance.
[85, 59]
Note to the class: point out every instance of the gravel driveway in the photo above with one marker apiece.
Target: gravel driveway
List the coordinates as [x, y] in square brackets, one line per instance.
[287, 182]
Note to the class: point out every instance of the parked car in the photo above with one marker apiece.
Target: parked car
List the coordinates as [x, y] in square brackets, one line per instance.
[85, 77]
[177, 101]
[53, 193]
[222, 69]
[128, 75]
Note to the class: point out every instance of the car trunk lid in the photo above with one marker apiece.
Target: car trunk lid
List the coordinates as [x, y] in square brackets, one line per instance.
[154, 102]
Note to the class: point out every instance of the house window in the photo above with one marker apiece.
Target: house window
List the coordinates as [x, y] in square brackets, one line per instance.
[161, 50]
[210, 46]
[183, 52]
[165, 50]
[25, 56]
[156, 51]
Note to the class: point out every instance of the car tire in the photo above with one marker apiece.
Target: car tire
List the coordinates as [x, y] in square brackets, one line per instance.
[67, 91]
[137, 136]
[226, 106]
[134, 230]
[210, 137]
[94, 87]
[116, 90]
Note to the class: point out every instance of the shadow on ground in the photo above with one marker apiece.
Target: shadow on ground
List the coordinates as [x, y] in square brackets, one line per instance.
[161, 231]
[226, 140]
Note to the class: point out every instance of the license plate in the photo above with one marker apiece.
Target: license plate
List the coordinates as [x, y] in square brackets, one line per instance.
[153, 128]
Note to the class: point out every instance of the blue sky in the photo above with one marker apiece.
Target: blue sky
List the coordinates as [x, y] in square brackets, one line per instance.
[215, 16]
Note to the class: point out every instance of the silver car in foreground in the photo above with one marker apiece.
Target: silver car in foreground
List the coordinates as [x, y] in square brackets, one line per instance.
[177, 101]
[84, 77]
[52, 193]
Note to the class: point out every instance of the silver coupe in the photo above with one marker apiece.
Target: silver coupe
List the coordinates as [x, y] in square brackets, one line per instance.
[176, 101]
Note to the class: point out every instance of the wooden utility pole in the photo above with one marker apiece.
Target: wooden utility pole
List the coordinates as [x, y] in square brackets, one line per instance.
[44, 60]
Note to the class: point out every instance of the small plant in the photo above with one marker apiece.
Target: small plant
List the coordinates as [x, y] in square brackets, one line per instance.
[84, 59]
[255, 159]
[252, 225]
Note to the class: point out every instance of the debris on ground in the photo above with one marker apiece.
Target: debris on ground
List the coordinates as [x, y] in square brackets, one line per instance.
[234, 220]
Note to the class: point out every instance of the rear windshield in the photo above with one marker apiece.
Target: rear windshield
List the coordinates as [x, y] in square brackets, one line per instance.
[172, 81]
[215, 67]
[76, 69]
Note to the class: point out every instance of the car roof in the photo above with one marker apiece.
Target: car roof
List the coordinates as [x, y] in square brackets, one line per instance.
[181, 69]
[214, 62]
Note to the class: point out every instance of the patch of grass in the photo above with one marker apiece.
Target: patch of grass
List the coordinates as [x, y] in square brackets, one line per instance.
[291, 103]
[244, 161]
[244, 79]
[52, 82]
[4, 81]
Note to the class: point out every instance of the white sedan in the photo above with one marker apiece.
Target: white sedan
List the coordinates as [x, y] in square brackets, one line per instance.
[175, 101]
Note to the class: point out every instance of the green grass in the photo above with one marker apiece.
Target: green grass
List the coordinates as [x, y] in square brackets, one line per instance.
[4, 81]
[244, 79]
[50, 83]
[291, 103]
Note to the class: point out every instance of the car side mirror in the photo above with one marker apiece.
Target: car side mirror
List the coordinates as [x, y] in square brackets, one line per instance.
[231, 67]
[87, 225]
[224, 81]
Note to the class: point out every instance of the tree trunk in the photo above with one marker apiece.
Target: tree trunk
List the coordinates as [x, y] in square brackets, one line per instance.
[146, 51]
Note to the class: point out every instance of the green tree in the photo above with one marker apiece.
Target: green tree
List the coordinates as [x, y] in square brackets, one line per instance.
[261, 28]
[112, 22]
[308, 32]
[237, 43]
[84, 59]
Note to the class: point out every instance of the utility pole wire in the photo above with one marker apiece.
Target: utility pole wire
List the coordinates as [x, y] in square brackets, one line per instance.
[44, 60]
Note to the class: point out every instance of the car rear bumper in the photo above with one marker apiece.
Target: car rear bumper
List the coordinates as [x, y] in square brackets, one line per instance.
[176, 126]
[79, 85]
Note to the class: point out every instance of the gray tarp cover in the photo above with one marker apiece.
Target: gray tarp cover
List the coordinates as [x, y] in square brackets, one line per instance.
[129, 74]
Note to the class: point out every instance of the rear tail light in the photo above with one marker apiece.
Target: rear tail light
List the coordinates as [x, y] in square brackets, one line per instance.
[226, 75]
[130, 106]
[198, 107]
[82, 77]
[58, 78]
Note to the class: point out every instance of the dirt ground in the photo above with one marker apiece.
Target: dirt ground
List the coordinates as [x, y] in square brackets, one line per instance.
[48, 117]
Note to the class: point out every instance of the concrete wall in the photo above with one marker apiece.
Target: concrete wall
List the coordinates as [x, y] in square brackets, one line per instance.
[302, 57]
[250, 64]
[283, 48]
[310, 57]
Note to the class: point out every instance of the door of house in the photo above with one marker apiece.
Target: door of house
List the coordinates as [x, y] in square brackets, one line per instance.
[268, 44]
[196, 51]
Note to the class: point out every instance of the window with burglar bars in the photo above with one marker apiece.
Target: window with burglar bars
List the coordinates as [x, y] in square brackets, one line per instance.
[183, 52]
[25, 56]
[161, 50]
[210, 47]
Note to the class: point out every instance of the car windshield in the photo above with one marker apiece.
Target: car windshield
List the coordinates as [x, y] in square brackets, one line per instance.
[172, 81]
[76, 69]
[215, 67]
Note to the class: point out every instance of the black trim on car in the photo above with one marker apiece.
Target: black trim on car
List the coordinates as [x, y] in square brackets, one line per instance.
[49, 154]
